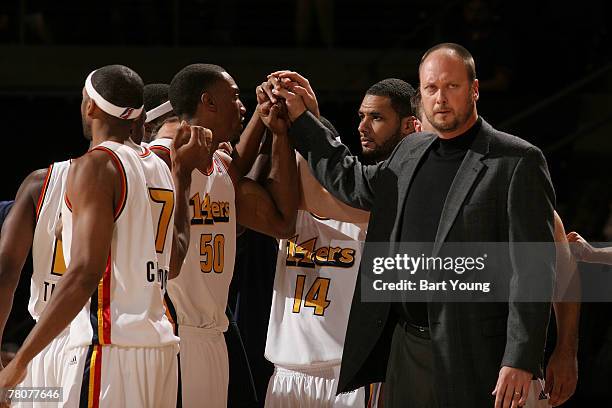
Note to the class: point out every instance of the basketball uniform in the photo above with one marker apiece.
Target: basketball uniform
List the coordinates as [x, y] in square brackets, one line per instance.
[45, 370]
[161, 197]
[122, 346]
[198, 296]
[162, 144]
[315, 279]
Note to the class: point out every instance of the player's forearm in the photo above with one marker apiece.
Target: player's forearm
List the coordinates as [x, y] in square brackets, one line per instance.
[180, 242]
[9, 279]
[282, 183]
[69, 297]
[247, 149]
[567, 317]
[6, 302]
[600, 255]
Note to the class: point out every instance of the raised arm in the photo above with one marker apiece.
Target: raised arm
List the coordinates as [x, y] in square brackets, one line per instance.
[331, 162]
[190, 148]
[272, 208]
[16, 240]
[316, 199]
[245, 152]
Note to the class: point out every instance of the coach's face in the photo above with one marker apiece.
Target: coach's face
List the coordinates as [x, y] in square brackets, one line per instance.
[380, 127]
[448, 98]
[230, 109]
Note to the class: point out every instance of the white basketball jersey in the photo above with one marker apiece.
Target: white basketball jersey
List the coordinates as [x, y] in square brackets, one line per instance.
[47, 254]
[163, 143]
[127, 308]
[315, 279]
[161, 197]
[199, 293]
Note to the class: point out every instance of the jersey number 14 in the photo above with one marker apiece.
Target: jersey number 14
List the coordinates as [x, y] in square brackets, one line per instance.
[316, 297]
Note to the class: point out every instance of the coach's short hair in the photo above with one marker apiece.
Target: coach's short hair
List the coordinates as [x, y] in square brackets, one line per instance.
[119, 85]
[399, 92]
[462, 52]
[189, 84]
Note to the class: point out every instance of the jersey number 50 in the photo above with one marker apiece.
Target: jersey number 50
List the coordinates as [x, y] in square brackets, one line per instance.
[212, 249]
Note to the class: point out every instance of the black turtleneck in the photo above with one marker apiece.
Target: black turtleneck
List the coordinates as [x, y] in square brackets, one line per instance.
[425, 200]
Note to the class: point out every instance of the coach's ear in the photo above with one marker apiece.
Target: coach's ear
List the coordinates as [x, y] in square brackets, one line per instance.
[475, 90]
[208, 102]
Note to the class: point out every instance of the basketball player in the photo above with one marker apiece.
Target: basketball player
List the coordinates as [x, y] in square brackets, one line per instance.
[317, 268]
[122, 346]
[206, 95]
[31, 224]
[158, 110]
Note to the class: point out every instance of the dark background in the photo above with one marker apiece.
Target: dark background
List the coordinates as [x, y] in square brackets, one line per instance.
[547, 69]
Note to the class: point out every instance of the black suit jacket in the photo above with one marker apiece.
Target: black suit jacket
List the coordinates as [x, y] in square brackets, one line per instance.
[502, 193]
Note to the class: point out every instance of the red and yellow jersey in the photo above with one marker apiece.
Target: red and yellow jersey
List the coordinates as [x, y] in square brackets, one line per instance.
[127, 308]
[199, 294]
[316, 271]
[47, 254]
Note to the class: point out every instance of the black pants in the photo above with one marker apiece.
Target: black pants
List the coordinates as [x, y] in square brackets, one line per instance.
[409, 382]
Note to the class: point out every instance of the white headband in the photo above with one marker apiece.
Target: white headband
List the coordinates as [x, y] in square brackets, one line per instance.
[106, 106]
[158, 111]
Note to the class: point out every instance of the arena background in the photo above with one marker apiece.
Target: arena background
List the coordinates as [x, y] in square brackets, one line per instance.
[548, 70]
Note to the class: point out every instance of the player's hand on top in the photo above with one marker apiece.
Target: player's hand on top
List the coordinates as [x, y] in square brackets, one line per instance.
[274, 116]
[264, 93]
[294, 102]
[299, 85]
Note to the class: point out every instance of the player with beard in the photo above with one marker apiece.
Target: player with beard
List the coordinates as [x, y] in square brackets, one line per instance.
[386, 117]
[424, 359]
[317, 267]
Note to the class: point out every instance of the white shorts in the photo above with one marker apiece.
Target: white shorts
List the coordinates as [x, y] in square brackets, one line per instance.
[309, 388]
[45, 370]
[113, 376]
[204, 367]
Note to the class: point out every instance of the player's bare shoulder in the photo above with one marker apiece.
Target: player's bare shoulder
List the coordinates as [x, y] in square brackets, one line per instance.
[99, 168]
[33, 184]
